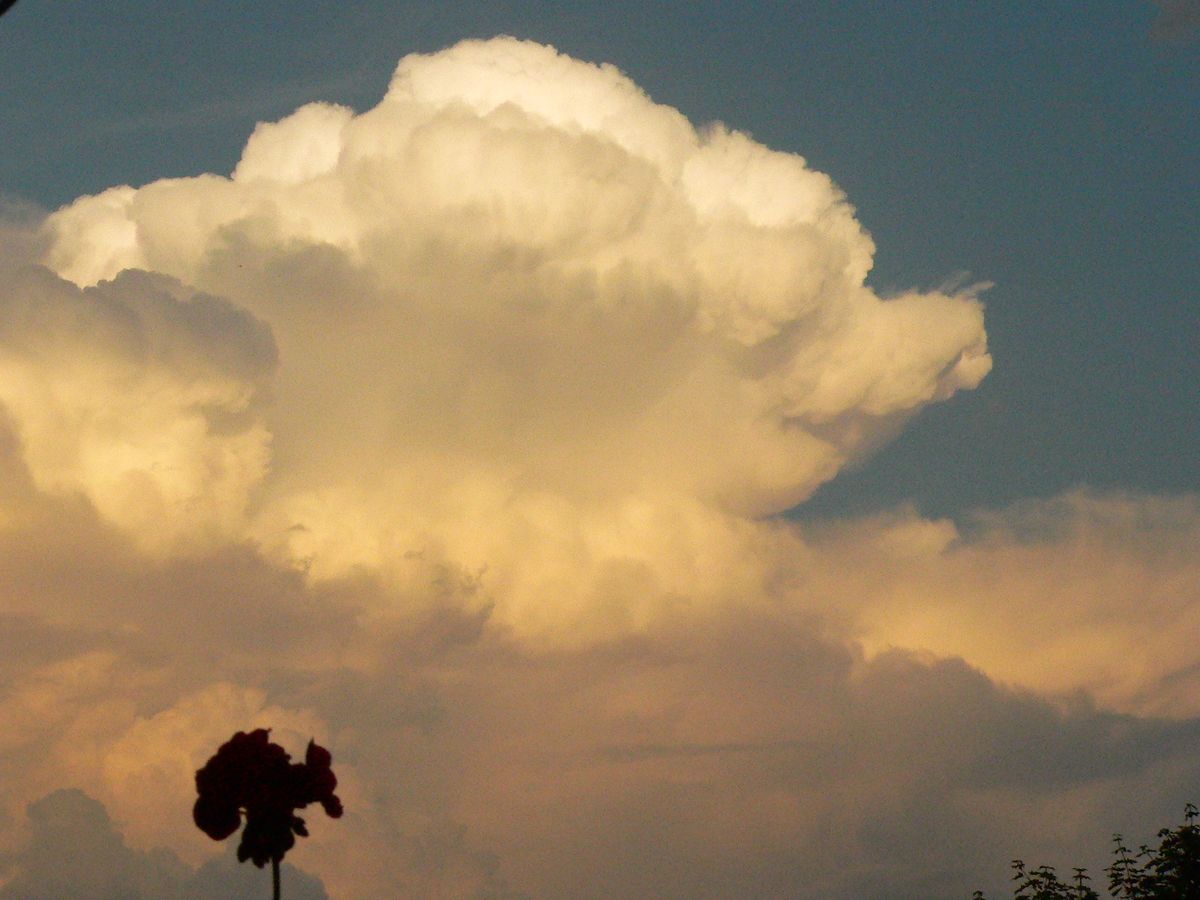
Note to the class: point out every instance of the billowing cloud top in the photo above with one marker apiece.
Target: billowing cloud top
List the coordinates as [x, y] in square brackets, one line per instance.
[519, 281]
[139, 394]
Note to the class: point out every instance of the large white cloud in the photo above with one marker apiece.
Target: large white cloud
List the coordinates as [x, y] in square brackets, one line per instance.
[518, 291]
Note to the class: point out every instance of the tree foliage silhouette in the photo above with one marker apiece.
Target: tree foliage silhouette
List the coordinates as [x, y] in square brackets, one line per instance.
[1169, 872]
[252, 777]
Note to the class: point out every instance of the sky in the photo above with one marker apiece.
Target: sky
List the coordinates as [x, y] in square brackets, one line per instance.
[670, 451]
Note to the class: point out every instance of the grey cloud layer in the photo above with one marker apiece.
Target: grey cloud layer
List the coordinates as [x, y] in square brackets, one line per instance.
[75, 854]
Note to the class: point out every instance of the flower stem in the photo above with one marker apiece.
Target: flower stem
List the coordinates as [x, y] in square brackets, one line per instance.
[275, 877]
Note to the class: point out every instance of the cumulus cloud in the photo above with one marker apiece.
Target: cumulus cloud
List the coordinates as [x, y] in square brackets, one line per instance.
[451, 434]
[1080, 592]
[518, 290]
[138, 394]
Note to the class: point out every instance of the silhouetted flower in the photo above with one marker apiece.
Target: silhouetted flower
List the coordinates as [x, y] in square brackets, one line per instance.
[251, 776]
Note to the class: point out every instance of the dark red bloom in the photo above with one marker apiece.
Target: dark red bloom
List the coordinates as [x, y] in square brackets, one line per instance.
[251, 776]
